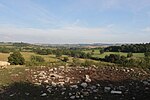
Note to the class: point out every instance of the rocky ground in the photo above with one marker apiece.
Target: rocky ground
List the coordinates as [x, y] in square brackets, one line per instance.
[92, 83]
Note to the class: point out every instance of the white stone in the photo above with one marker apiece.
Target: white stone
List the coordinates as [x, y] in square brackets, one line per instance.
[77, 96]
[70, 93]
[63, 93]
[116, 92]
[74, 86]
[49, 90]
[146, 83]
[62, 67]
[87, 78]
[61, 83]
[84, 85]
[85, 93]
[54, 84]
[93, 87]
[72, 97]
[107, 89]
[46, 81]
[44, 94]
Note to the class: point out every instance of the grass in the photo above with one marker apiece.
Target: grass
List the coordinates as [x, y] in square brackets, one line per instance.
[27, 55]
[5, 74]
[4, 56]
[97, 54]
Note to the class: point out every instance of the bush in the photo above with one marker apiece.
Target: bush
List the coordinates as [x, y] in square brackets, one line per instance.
[129, 54]
[76, 62]
[66, 59]
[37, 59]
[101, 51]
[16, 58]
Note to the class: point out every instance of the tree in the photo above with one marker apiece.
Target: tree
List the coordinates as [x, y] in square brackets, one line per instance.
[101, 51]
[16, 58]
[147, 54]
[129, 54]
[58, 54]
[93, 51]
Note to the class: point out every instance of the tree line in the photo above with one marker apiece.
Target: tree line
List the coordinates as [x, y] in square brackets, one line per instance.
[135, 48]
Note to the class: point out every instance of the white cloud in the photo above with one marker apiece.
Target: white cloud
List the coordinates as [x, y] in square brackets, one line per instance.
[71, 34]
[62, 35]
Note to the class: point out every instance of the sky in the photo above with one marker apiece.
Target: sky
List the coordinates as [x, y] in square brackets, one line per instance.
[75, 21]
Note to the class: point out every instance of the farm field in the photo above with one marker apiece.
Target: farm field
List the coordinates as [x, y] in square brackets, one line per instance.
[27, 55]
[97, 54]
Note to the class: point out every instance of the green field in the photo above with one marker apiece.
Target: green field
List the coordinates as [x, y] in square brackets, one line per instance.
[97, 54]
[27, 55]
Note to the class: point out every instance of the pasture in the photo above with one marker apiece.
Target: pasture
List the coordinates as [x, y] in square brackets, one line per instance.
[96, 53]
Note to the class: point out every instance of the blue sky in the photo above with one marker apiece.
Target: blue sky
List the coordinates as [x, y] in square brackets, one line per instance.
[75, 21]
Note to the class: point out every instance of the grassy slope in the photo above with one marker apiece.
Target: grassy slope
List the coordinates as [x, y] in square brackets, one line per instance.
[5, 74]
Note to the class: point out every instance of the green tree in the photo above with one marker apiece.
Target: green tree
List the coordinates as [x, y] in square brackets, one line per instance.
[58, 54]
[101, 51]
[147, 54]
[16, 58]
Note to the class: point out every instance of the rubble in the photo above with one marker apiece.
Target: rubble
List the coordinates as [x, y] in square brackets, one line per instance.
[82, 83]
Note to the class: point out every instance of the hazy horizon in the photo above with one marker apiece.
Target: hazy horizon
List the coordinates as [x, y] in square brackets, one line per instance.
[74, 22]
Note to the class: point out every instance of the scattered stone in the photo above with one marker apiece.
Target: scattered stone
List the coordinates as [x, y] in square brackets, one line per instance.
[93, 87]
[87, 78]
[72, 97]
[62, 67]
[74, 86]
[95, 97]
[77, 96]
[27, 93]
[107, 89]
[54, 84]
[84, 85]
[46, 81]
[85, 93]
[44, 94]
[95, 90]
[146, 83]
[11, 95]
[116, 92]
[63, 93]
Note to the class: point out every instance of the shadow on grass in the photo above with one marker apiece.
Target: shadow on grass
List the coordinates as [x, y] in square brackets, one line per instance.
[131, 90]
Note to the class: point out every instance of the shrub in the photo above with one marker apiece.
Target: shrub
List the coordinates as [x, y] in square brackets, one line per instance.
[66, 59]
[16, 58]
[129, 54]
[37, 59]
